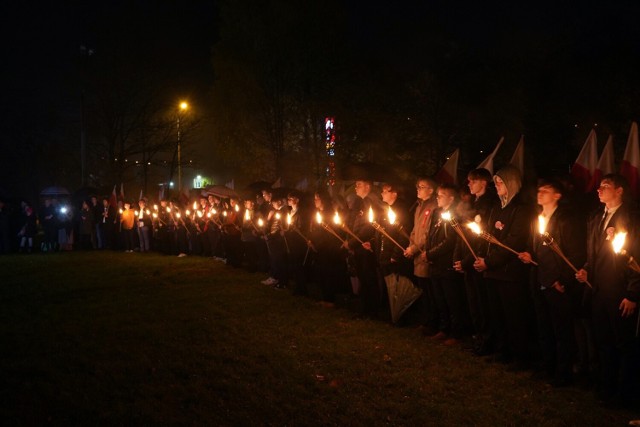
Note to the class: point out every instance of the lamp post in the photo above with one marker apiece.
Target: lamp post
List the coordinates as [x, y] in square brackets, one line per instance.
[183, 107]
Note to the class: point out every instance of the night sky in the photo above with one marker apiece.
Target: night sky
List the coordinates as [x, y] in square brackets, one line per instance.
[550, 70]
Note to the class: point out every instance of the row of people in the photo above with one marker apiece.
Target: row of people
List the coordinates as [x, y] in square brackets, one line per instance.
[517, 291]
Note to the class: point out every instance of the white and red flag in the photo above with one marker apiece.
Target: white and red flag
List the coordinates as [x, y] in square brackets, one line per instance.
[448, 174]
[631, 161]
[113, 200]
[605, 163]
[488, 162]
[517, 159]
[584, 168]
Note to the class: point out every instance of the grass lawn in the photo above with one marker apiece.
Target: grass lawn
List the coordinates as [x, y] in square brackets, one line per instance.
[115, 338]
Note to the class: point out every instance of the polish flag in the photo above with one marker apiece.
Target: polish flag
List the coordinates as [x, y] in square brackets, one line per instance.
[122, 192]
[584, 168]
[184, 196]
[113, 200]
[448, 174]
[605, 164]
[488, 162]
[631, 161]
[517, 159]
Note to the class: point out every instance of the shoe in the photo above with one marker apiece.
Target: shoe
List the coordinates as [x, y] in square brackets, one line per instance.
[427, 330]
[451, 342]
[268, 282]
[277, 285]
[440, 336]
[326, 304]
[182, 255]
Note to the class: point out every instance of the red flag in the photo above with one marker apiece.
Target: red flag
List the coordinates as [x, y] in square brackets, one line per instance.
[584, 168]
[631, 161]
[184, 196]
[113, 200]
[488, 162]
[605, 164]
[517, 159]
[448, 174]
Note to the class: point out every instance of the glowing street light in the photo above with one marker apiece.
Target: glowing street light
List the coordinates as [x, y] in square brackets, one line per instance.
[183, 108]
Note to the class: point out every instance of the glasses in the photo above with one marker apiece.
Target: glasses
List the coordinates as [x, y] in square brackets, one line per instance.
[422, 187]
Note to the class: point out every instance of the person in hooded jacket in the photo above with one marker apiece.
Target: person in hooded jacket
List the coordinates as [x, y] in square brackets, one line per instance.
[506, 276]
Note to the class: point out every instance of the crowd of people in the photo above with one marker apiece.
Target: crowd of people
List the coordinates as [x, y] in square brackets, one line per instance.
[538, 286]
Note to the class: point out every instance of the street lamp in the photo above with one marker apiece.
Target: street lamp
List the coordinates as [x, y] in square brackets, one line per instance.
[183, 108]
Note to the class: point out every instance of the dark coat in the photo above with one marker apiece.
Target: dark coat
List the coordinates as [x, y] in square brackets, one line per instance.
[607, 271]
[569, 234]
[511, 226]
[441, 243]
[479, 211]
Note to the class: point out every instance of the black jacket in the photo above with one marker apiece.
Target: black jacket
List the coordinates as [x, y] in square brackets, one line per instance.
[608, 272]
[511, 226]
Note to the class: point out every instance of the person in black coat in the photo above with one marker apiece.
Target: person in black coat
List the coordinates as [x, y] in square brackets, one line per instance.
[555, 291]
[506, 276]
[447, 283]
[484, 201]
[363, 255]
[616, 290]
[391, 257]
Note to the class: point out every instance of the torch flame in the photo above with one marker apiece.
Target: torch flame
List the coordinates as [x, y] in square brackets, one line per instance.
[237, 208]
[392, 216]
[168, 209]
[370, 214]
[187, 212]
[446, 216]
[155, 207]
[178, 215]
[155, 215]
[288, 219]
[209, 215]
[224, 213]
[148, 212]
[474, 227]
[260, 222]
[277, 215]
[247, 215]
[318, 217]
[119, 210]
[336, 219]
[195, 205]
[542, 224]
[618, 241]
[213, 211]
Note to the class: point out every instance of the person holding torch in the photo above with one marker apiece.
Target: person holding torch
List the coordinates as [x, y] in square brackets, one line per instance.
[364, 258]
[616, 289]
[554, 288]
[505, 275]
[484, 200]
[423, 215]
[447, 284]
